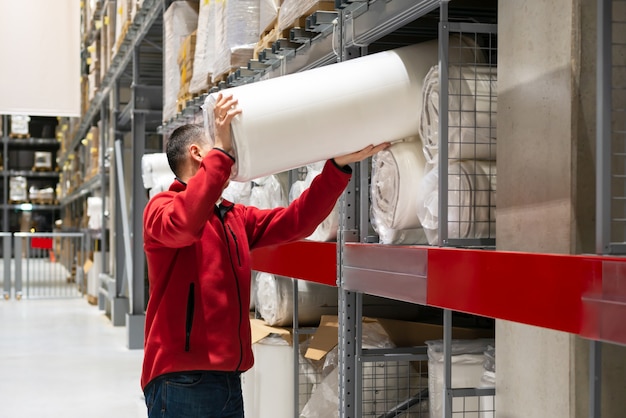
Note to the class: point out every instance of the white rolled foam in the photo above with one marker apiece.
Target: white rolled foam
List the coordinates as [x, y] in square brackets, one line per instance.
[472, 113]
[471, 200]
[396, 172]
[290, 121]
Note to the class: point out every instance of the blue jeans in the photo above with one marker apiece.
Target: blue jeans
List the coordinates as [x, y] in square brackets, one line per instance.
[195, 395]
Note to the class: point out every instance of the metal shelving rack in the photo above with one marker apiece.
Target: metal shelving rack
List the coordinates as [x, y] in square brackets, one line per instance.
[127, 129]
[30, 144]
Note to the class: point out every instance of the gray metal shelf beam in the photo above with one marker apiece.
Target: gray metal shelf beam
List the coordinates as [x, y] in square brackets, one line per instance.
[85, 188]
[366, 23]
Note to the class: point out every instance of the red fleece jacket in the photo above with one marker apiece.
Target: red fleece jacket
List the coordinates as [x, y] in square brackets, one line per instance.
[199, 266]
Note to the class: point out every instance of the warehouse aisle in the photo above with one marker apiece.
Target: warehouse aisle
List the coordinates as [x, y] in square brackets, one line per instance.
[63, 358]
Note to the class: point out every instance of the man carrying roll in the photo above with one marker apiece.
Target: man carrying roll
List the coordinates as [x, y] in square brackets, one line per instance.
[197, 335]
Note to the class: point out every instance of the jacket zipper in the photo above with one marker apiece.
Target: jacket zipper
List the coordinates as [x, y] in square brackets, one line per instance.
[236, 245]
[230, 256]
[190, 311]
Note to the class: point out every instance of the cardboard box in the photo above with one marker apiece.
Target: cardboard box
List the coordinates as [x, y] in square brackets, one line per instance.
[401, 333]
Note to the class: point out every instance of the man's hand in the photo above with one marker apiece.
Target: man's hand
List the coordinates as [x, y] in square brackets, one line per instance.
[360, 155]
[223, 113]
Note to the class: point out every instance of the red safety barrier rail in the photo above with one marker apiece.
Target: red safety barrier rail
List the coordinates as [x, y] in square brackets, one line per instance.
[579, 294]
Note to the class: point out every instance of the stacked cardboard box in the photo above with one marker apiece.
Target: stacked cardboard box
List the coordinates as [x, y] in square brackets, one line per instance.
[185, 63]
[91, 149]
[179, 21]
[122, 23]
[93, 61]
[293, 13]
[108, 35]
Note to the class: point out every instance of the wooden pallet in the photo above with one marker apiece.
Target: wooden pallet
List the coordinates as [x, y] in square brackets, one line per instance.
[123, 33]
[181, 102]
[19, 136]
[44, 201]
[300, 21]
[42, 169]
[92, 300]
[266, 41]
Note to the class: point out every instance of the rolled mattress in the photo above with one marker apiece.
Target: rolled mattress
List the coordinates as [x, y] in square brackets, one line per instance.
[363, 101]
[396, 172]
[472, 113]
[471, 201]
[327, 230]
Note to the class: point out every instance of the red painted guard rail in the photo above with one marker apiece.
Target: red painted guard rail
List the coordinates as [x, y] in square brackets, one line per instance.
[579, 294]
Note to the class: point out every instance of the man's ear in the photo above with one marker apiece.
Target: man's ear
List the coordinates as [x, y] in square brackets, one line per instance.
[195, 152]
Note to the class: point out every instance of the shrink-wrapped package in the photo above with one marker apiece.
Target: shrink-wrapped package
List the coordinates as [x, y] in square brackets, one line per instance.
[267, 193]
[206, 45]
[237, 31]
[156, 173]
[396, 174]
[327, 229]
[467, 370]
[268, 14]
[471, 200]
[179, 21]
[291, 10]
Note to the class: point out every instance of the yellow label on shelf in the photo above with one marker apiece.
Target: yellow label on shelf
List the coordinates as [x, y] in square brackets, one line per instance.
[207, 2]
[89, 61]
[98, 24]
[106, 20]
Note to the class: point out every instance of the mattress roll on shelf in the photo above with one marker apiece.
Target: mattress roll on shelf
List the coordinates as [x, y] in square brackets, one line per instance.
[274, 302]
[282, 117]
[390, 236]
[472, 113]
[154, 166]
[327, 230]
[267, 193]
[156, 173]
[396, 173]
[471, 201]
[238, 192]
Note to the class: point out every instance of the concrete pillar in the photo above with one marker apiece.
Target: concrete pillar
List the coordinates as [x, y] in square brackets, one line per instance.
[546, 137]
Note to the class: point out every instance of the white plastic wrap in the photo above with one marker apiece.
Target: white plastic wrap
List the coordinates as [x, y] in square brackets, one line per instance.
[274, 300]
[19, 124]
[290, 10]
[267, 388]
[206, 45]
[467, 370]
[267, 193]
[154, 166]
[238, 192]
[268, 13]
[471, 200]
[333, 95]
[327, 229]
[179, 20]
[472, 113]
[94, 212]
[383, 382]
[389, 236]
[396, 173]
[237, 29]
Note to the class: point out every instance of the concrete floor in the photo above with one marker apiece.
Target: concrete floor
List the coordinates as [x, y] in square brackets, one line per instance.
[63, 358]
